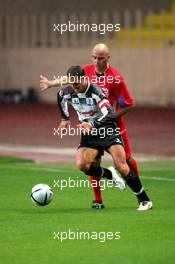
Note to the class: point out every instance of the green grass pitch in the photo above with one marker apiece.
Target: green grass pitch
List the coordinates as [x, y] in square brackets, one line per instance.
[27, 231]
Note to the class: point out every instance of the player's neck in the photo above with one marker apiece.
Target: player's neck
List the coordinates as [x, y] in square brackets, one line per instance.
[101, 71]
[85, 88]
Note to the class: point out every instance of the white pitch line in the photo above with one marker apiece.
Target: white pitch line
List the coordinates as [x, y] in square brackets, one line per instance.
[158, 179]
[35, 169]
[71, 152]
[66, 171]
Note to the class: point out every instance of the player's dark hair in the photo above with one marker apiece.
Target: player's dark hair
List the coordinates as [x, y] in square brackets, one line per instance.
[76, 71]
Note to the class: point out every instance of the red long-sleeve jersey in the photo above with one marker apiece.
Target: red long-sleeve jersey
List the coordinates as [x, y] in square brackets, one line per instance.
[113, 85]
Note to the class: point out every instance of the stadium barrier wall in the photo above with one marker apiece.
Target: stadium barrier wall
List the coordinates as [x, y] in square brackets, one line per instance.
[148, 72]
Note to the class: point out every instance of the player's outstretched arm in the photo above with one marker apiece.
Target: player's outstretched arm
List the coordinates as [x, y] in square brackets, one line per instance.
[123, 110]
[46, 84]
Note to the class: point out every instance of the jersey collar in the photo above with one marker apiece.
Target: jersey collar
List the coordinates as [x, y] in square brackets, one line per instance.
[104, 71]
[87, 88]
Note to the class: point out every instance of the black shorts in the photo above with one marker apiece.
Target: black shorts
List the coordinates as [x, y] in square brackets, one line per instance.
[101, 142]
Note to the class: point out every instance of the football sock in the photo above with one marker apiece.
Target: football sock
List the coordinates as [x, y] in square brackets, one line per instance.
[98, 171]
[95, 183]
[133, 166]
[134, 183]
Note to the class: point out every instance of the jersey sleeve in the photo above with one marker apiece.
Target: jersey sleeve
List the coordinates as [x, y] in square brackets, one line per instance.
[62, 105]
[123, 96]
[108, 115]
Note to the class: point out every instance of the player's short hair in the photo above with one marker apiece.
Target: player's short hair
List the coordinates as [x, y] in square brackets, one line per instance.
[76, 71]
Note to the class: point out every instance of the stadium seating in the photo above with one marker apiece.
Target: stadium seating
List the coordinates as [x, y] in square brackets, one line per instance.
[156, 30]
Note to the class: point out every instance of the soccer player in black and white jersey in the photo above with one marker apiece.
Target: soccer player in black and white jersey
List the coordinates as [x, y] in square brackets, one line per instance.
[96, 114]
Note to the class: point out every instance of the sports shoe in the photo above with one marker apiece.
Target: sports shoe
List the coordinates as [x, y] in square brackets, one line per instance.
[145, 205]
[118, 181]
[97, 205]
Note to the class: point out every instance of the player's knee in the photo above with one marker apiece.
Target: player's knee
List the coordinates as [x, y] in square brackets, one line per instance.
[123, 168]
[82, 166]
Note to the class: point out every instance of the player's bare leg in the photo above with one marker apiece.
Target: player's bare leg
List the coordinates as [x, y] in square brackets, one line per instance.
[118, 155]
[133, 165]
[85, 162]
[130, 160]
[85, 157]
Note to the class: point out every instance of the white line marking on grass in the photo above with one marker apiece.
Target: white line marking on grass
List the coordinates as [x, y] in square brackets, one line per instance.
[158, 179]
[74, 170]
[48, 169]
[71, 152]
[36, 169]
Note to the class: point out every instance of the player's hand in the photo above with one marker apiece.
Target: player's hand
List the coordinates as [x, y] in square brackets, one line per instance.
[44, 83]
[85, 126]
[64, 124]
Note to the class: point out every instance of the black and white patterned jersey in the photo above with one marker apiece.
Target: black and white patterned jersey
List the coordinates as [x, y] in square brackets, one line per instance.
[91, 105]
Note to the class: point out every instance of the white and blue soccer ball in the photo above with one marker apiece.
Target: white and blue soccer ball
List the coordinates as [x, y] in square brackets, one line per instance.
[41, 194]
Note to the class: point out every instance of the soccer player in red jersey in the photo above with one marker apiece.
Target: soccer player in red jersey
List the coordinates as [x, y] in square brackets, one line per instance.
[113, 85]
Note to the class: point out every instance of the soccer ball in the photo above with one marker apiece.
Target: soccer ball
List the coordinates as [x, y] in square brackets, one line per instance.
[41, 194]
